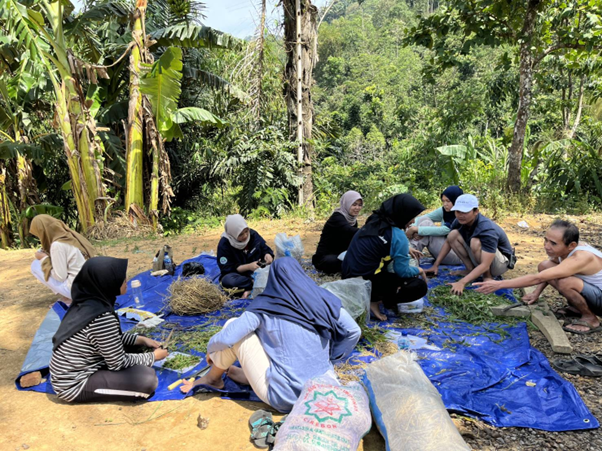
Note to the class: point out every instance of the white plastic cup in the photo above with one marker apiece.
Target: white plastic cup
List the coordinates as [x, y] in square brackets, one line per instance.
[137, 293]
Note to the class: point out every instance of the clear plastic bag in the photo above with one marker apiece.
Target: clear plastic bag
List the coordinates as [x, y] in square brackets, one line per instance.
[407, 408]
[289, 246]
[353, 293]
[326, 417]
[260, 280]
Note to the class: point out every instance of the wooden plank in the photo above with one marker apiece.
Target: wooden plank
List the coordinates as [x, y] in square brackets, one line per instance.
[544, 319]
[519, 312]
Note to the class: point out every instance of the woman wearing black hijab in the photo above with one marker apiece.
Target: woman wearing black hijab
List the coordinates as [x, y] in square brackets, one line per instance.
[380, 252]
[88, 358]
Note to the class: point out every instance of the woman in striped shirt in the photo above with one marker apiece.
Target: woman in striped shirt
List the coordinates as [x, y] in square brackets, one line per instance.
[89, 362]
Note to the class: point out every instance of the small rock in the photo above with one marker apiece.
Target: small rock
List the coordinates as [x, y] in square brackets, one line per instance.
[202, 422]
[25, 446]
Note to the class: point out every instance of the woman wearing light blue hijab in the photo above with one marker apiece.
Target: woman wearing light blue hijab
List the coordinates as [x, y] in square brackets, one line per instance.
[425, 233]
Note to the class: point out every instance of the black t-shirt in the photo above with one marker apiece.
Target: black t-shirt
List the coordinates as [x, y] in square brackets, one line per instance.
[229, 258]
[491, 235]
[336, 236]
[365, 254]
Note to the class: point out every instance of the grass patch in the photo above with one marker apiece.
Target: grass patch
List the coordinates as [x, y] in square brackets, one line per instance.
[195, 340]
[181, 361]
[473, 308]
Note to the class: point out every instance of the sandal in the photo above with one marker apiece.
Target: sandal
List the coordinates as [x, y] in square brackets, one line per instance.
[565, 312]
[261, 424]
[591, 329]
[580, 365]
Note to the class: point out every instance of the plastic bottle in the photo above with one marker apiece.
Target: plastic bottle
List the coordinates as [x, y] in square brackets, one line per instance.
[403, 342]
[137, 293]
[167, 264]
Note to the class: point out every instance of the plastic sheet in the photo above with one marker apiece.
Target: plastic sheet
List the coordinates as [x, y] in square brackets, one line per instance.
[502, 382]
[354, 294]
[289, 246]
[407, 409]
[326, 417]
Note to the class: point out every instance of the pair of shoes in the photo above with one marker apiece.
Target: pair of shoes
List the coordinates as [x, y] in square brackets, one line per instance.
[263, 428]
[581, 365]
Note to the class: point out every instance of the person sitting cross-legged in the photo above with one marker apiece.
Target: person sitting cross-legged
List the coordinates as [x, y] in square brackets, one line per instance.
[574, 269]
[480, 243]
[290, 333]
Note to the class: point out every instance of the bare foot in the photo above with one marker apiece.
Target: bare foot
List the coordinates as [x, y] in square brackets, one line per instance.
[459, 272]
[583, 325]
[245, 295]
[376, 312]
[205, 380]
[237, 375]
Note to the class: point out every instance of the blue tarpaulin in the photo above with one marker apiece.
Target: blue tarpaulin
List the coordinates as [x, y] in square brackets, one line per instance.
[504, 383]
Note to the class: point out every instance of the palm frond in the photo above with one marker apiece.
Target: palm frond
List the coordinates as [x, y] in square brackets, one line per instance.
[196, 36]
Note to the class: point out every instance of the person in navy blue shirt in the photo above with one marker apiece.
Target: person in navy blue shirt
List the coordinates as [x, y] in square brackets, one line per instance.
[380, 252]
[480, 243]
[240, 252]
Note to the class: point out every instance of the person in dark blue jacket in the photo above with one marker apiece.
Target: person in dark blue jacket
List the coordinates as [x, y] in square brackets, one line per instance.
[240, 252]
[380, 252]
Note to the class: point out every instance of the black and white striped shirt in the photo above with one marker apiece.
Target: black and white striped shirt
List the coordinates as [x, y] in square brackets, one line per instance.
[97, 346]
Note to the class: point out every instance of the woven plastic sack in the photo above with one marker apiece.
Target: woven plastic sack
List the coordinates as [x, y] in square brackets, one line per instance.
[289, 246]
[260, 280]
[326, 418]
[407, 408]
[353, 293]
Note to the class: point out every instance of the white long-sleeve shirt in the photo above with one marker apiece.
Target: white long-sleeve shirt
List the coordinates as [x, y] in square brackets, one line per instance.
[67, 261]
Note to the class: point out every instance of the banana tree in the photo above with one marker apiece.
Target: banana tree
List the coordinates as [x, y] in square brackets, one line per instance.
[13, 144]
[154, 91]
[40, 28]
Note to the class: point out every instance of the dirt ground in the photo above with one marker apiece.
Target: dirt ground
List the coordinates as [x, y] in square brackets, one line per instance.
[41, 422]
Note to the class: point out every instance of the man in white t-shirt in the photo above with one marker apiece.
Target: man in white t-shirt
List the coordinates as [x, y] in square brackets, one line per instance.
[573, 269]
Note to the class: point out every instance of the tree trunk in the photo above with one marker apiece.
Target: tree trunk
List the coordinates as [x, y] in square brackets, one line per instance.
[257, 91]
[307, 57]
[134, 193]
[5, 220]
[573, 130]
[27, 195]
[81, 149]
[515, 153]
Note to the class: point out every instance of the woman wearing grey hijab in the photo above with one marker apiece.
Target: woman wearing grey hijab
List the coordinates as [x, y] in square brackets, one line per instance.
[240, 252]
[337, 233]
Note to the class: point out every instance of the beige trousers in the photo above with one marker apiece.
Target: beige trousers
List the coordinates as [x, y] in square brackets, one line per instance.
[253, 361]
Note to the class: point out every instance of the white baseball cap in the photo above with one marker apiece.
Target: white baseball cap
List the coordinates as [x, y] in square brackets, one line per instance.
[465, 203]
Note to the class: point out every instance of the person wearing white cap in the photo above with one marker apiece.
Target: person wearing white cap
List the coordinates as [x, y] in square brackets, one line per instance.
[480, 243]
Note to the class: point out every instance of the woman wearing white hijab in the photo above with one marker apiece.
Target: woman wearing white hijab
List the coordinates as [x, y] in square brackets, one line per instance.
[239, 253]
[337, 233]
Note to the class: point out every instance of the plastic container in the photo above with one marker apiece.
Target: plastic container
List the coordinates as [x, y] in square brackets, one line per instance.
[167, 263]
[404, 343]
[137, 293]
[411, 307]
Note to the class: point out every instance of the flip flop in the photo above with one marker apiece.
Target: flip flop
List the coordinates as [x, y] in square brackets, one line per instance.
[580, 365]
[261, 424]
[271, 439]
[565, 312]
[591, 329]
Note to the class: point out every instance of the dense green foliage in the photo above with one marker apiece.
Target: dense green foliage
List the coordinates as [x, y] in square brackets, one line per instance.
[407, 97]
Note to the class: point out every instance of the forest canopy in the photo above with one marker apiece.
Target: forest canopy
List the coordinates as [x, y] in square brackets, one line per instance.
[141, 109]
